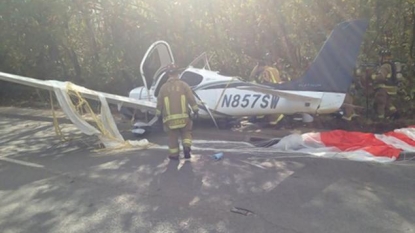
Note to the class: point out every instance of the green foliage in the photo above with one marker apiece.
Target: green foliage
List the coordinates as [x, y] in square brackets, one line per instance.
[100, 43]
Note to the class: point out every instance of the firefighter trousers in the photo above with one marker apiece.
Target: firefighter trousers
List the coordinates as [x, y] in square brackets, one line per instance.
[184, 133]
[348, 110]
[383, 103]
[274, 119]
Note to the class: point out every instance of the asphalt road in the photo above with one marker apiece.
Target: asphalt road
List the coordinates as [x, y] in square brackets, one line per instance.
[51, 186]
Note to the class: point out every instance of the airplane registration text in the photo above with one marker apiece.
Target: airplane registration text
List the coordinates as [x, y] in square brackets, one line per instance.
[250, 101]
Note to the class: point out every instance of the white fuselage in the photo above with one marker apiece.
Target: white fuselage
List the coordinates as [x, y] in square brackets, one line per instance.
[220, 95]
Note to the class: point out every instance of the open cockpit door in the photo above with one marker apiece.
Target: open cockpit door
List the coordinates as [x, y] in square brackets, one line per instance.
[157, 57]
[198, 61]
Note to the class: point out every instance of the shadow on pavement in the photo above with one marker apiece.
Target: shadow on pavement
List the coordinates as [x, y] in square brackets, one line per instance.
[49, 186]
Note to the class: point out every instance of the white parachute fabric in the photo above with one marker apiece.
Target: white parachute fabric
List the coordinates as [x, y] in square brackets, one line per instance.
[396, 143]
[409, 132]
[108, 133]
[356, 146]
[67, 107]
[115, 138]
[311, 144]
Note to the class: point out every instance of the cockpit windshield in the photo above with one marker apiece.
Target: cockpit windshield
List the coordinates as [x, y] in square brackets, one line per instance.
[191, 78]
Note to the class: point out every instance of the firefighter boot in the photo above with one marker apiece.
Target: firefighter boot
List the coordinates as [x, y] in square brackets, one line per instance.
[186, 151]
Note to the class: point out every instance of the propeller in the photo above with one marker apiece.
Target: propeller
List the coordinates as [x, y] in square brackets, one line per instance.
[207, 109]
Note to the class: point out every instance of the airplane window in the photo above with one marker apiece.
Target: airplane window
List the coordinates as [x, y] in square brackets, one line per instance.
[151, 65]
[192, 79]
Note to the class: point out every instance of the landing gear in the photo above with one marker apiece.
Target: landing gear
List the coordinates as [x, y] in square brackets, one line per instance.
[338, 115]
[141, 129]
[235, 124]
[229, 123]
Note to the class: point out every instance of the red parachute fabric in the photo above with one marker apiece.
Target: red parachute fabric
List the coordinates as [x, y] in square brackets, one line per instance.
[353, 141]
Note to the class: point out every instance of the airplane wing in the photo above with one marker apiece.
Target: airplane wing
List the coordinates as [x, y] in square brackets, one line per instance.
[86, 93]
[280, 93]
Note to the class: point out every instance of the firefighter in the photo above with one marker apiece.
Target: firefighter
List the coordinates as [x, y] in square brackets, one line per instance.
[349, 110]
[385, 83]
[173, 102]
[264, 74]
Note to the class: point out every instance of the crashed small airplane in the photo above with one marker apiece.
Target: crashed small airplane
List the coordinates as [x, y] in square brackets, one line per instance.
[321, 90]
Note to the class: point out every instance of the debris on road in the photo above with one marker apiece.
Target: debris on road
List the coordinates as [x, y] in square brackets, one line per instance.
[241, 211]
[217, 156]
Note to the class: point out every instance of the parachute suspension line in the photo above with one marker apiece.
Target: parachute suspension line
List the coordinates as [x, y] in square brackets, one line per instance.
[58, 130]
[72, 103]
[106, 125]
[83, 104]
[133, 117]
[223, 92]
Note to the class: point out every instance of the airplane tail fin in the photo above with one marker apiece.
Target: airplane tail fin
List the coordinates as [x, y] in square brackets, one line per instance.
[332, 69]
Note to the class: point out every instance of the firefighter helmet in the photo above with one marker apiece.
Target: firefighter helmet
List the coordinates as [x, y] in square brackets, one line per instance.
[172, 69]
